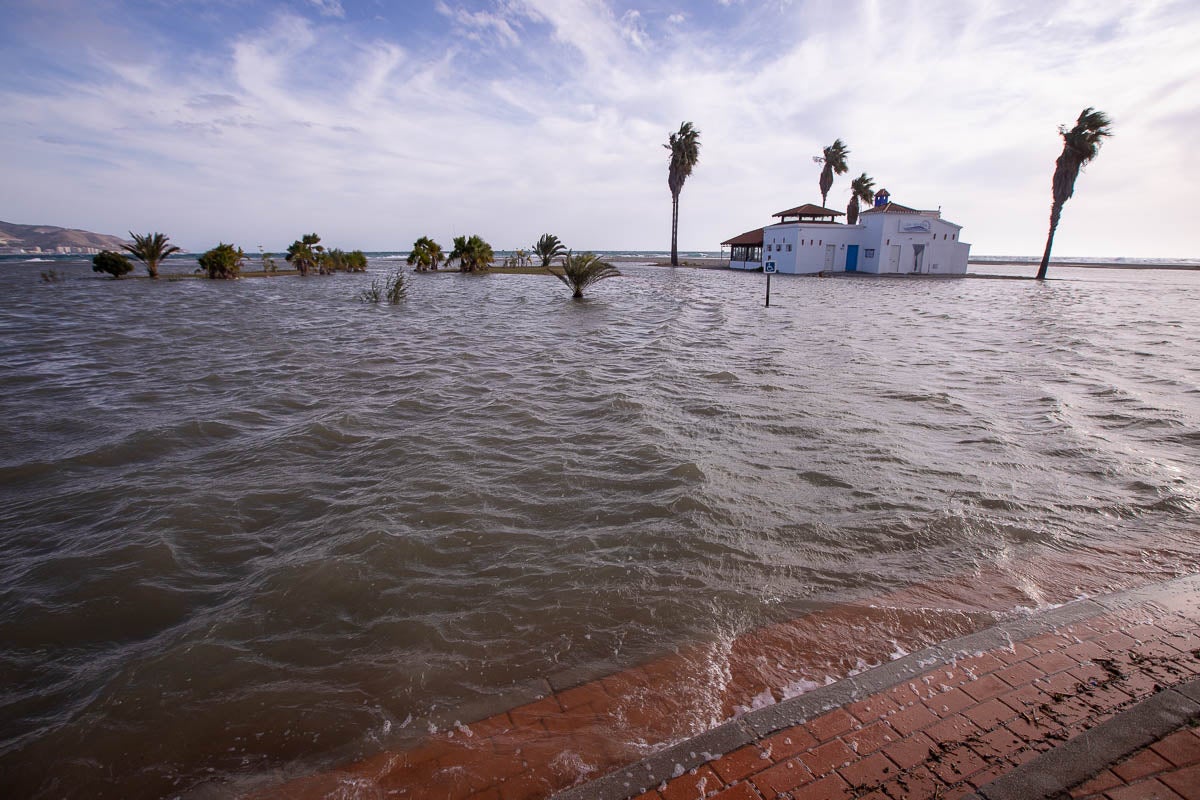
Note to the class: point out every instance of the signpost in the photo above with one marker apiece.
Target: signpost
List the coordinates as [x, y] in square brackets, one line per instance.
[769, 268]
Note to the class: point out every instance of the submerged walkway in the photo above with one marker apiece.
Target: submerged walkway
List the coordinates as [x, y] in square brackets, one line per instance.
[1095, 699]
[1021, 709]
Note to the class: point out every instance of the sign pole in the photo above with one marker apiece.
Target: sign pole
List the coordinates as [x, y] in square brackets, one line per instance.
[769, 268]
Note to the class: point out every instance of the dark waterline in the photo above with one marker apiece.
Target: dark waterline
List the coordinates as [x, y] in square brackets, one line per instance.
[257, 525]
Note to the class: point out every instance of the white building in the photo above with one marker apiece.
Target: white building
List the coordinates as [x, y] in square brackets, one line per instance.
[889, 238]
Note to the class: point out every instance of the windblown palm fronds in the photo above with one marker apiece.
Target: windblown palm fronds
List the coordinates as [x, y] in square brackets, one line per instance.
[862, 189]
[548, 248]
[834, 158]
[1081, 144]
[581, 271]
[426, 254]
[150, 249]
[684, 145]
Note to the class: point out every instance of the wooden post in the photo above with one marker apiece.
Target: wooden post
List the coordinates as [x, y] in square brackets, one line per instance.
[768, 290]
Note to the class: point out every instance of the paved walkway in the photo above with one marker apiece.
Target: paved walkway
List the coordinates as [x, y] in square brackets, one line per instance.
[1015, 712]
[975, 708]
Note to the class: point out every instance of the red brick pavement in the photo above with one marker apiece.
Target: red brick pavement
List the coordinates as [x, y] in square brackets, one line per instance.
[953, 729]
[959, 726]
[1168, 770]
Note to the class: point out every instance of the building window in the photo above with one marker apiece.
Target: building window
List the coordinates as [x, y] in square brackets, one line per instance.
[952, 236]
[870, 253]
[789, 248]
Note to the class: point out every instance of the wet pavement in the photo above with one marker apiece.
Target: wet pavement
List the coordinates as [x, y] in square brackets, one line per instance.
[957, 709]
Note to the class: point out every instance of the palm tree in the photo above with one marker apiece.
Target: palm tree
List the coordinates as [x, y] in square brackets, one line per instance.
[303, 253]
[834, 158]
[473, 254]
[1081, 144]
[548, 248]
[581, 271]
[684, 145]
[150, 249]
[862, 189]
[426, 254]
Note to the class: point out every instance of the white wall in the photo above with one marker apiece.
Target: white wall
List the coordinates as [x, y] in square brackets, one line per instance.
[943, 254]
[798, 248]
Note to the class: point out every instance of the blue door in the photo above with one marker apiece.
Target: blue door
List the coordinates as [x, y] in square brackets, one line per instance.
[851, 258]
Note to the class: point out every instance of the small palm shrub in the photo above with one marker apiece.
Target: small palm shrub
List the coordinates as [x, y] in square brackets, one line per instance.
[150, 249]
[112, 262]
[473, 254]
[426, 254]
[303, 254]
[548, 248]
[581, 271]
[222, 262]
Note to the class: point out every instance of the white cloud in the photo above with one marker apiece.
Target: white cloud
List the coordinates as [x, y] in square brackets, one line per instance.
[329, 8]
[477, 23]
[555, 121]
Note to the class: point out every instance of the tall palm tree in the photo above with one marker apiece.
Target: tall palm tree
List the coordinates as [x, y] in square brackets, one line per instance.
[834, 158]
[862, 189]
[581, 271]
[150, 249]
[684, 145]
[1081, 144]
[426, 254]
[548, 248]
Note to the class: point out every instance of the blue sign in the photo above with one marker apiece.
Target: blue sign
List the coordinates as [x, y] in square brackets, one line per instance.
[769, 267]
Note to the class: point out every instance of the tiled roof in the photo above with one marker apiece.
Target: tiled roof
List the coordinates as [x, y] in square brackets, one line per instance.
[809, 210]
[894, 208]
[749, 237]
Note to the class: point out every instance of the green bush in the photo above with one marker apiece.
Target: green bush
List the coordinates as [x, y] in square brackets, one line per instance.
[337, 260]
[222, 262]
[114, 264]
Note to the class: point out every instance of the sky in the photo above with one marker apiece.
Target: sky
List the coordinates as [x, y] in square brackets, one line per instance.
[374, 123]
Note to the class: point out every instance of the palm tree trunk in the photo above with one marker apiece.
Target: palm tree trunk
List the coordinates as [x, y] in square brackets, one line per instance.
[675, 230]
[1055, 215]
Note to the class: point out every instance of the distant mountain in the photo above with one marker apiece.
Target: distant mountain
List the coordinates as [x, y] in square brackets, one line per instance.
[50, 239]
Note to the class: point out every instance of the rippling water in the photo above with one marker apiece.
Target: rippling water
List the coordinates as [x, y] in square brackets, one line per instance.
[256, 525]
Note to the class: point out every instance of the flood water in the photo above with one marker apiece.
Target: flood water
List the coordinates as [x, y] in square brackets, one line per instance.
[256, 526]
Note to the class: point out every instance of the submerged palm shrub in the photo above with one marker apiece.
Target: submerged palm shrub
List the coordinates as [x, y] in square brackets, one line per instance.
[393, 290]
[222, 262]
[112, 262]
[581, 271]
[150, 250]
